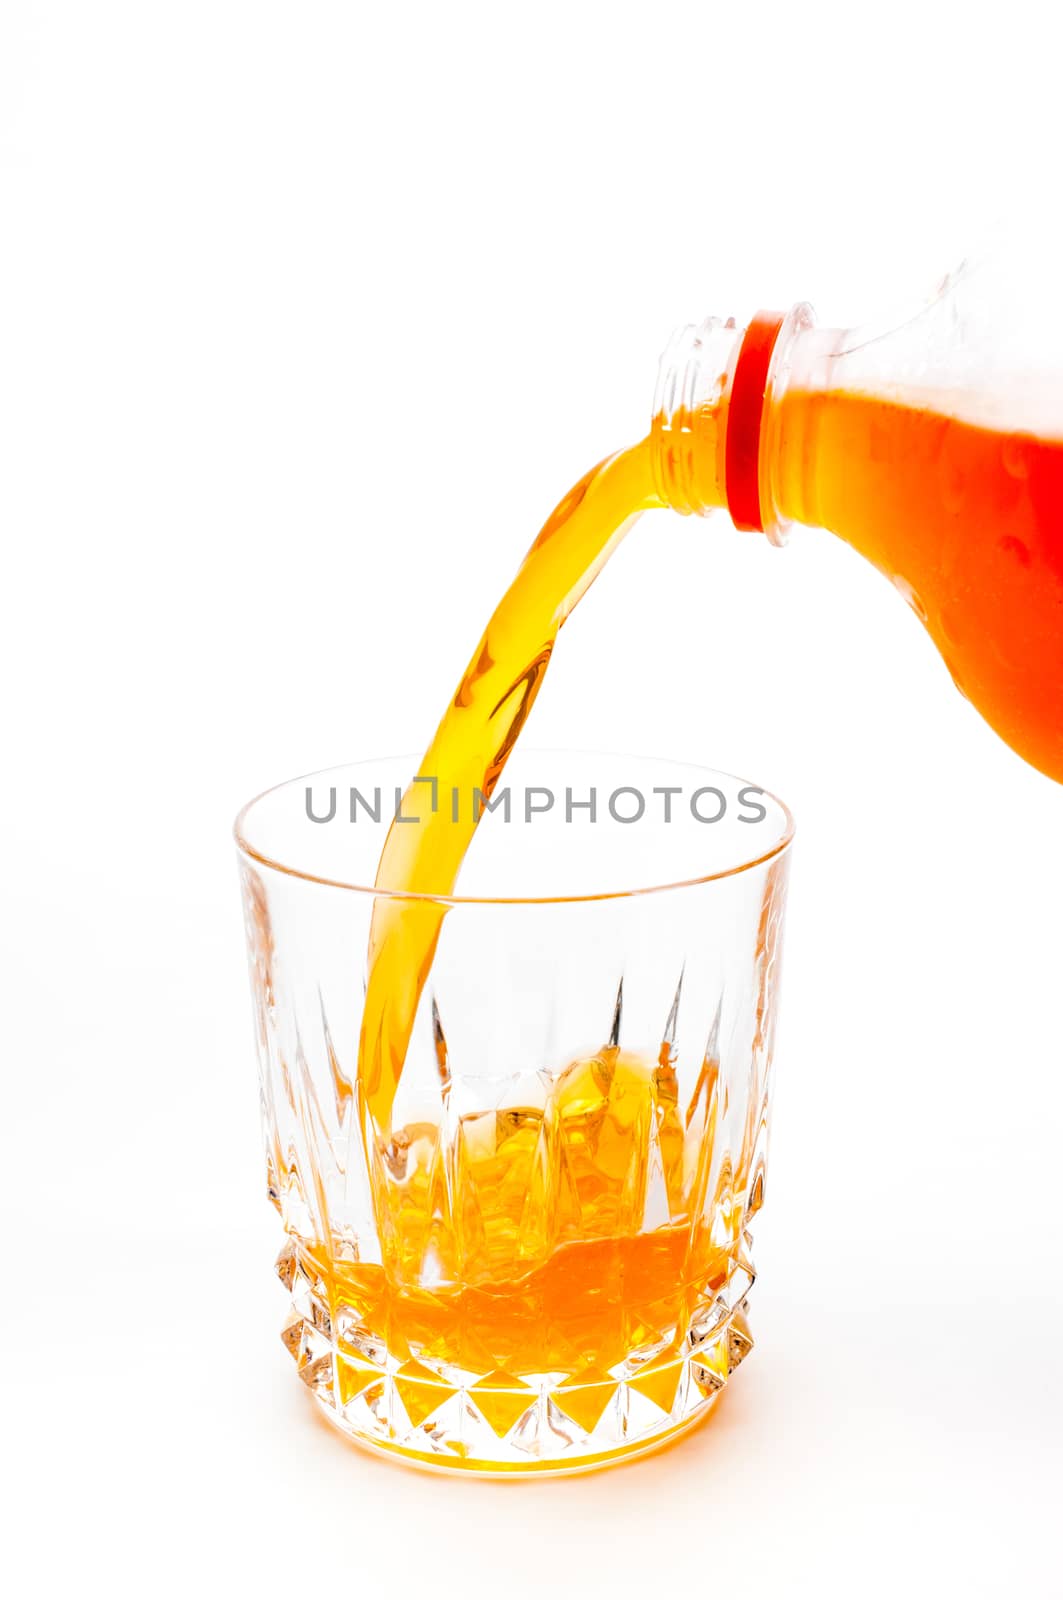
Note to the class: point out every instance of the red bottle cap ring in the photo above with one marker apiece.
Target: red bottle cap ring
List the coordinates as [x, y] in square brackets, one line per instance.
[745, 417]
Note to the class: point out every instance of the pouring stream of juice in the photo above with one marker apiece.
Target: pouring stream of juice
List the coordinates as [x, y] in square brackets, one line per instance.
[469, 752]
[966, 520]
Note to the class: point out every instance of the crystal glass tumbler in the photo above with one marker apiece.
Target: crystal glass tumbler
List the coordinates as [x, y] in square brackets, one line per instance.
[539, 1260]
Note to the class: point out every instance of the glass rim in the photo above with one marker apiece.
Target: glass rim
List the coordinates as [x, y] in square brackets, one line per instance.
[747, 864]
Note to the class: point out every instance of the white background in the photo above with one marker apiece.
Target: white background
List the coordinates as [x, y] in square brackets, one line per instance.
[308, 315]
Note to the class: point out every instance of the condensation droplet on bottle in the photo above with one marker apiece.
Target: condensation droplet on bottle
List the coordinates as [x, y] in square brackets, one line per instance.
[1015, 453]
[908, 594]
[951, 621]
[956, 680]
[952, 479]
[1016, 549]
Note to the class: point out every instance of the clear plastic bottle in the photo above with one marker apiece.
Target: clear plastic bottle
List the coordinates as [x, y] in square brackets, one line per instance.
[934, 446]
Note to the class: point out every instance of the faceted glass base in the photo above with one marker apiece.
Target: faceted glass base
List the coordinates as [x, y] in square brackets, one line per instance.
[442, 1416]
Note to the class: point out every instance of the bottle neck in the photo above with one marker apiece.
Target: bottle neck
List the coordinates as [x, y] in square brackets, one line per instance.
[715, 436]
